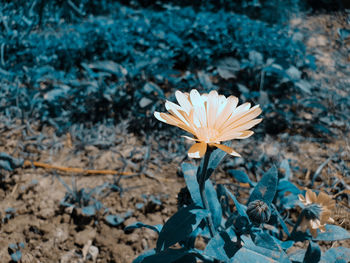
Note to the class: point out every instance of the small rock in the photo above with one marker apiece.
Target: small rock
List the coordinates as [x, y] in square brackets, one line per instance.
[87, 234]
[144, 102]
[93, 252]
[61, 234]
[69, 257]
[144, 244]
[133, 238]
[130, 221]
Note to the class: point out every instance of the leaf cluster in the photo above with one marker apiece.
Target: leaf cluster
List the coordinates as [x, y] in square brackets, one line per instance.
[106, 67]
[239, 236]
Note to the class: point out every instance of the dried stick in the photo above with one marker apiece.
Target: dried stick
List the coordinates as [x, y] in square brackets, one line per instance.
[72, 169]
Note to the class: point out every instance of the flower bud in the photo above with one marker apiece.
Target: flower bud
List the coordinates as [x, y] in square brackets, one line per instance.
[258, 212]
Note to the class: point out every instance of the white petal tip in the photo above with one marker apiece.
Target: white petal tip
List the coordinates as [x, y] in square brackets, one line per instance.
[235, 154]
[157, 115]
[194, 155]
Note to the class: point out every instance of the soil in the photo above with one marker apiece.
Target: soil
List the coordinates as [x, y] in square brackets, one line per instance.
[54, 233]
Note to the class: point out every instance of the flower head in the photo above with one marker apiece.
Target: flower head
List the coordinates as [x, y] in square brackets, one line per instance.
[211, 118]
[258, 212]
[317, 211]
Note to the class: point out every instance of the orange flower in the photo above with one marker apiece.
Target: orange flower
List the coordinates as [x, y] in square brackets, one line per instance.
[318, 210]
[211, 118]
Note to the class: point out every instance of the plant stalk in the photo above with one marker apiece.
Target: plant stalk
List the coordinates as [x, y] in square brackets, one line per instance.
[299, 220]
[201, 181]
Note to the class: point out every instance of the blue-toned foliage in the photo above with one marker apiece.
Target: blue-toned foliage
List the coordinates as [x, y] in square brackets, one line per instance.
[15, 251]
[266, 188]
[84, 198]
[79, 68]
[116, 220]
[313, 253]
[190, 172]
[156, 228]
[241, 176]
[336, 255]
[8, 162]
[221, 246]
[258, 231]
[180, 226]
[333, 233]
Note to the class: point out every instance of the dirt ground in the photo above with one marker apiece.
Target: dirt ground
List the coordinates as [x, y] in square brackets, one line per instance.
[52, 233]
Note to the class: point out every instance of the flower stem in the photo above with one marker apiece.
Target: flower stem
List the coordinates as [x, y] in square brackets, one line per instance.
[300, 218]
[201, 181]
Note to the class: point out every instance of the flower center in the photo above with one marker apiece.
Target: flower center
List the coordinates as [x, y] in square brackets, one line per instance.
[207, 135]
[313, 211]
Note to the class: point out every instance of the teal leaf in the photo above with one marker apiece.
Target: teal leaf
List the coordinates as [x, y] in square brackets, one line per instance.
[241, 209]
[213, 202]
[189, 172]
[171, 256]
[286, 186]
[16, 256]
[89, 210]
[263, 239]
[333, 233]
[313, 253]
[240, 176]
[247, 255]
[297, 256]
[156, 228]
[114, 220]
[286, 168]
[265, 190]
[336, 255]
[216, 158]
[274, 255]
[180, 226]
[144, 255]
[221, 247]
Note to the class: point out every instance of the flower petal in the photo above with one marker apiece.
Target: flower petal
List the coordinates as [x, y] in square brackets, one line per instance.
[250, 115]
[175, 110]
[212, 108]
[200, 115]
[197, 150]
[229, 135]
[183, 100]
[247, 125]
[222, 116]
[238, 112]
[169, 119]
[245, 135]
[310, 197]
[226, 149]
[190, 138]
